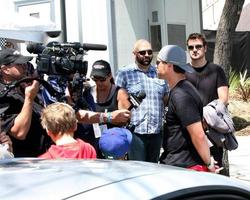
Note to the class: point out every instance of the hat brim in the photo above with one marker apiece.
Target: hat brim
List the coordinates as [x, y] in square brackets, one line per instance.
[22, 59]
[107, 148]
[187, 68]
[99, 74]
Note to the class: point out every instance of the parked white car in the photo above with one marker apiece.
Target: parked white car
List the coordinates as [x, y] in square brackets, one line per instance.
[36, 179]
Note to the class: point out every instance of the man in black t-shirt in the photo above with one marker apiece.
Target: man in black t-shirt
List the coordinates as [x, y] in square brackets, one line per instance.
[185, 143]
[211, 82]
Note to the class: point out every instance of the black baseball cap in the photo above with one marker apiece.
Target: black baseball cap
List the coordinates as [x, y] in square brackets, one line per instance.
[11, 56]
[100, 68]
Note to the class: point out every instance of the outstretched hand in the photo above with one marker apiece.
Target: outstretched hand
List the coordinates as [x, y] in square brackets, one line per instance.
[120, 116]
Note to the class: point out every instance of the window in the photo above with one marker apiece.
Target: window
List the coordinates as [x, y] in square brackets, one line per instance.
[177, 35]
[155, 31]
[155, 16]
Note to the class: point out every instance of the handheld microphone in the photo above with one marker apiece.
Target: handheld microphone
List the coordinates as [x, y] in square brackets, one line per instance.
[136, 100]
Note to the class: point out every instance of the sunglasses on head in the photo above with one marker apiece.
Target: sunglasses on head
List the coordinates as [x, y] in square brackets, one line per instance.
[143, 53]
[198, 46]
[98, 78]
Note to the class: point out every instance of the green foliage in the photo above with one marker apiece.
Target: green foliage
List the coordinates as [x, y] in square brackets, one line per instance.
[234, 80]
[244, 86]
[239, 83]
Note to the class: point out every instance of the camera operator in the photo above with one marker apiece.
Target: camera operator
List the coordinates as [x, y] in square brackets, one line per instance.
[22, 118]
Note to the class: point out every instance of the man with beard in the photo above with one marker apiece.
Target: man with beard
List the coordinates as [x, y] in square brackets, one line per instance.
[139, 77]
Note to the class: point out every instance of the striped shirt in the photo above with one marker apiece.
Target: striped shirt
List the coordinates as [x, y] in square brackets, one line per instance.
[148, 117]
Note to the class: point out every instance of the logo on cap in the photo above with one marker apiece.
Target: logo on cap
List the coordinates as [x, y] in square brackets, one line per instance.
[99, 66]
[16, 52]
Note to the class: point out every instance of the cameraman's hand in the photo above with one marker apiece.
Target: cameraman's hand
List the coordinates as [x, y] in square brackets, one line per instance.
[120, 116]
[31, 90]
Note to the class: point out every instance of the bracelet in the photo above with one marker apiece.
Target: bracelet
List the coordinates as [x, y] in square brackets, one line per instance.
[210, 165]
[109, 117]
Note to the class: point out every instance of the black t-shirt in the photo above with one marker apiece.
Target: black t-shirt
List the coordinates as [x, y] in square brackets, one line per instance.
[37, 140]
[184, 108]
[206, 80]
[109, 106]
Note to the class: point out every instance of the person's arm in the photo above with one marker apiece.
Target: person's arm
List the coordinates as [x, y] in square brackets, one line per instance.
[123, 99]
[165, 100]
[200, 143]
[90, 117]
[23, 120]
[223, 94]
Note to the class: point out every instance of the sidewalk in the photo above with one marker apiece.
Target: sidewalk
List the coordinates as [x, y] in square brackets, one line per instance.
[239, 159]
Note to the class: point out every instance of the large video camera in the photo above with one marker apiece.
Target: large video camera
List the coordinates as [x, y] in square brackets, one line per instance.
[65, 66]
[62, 58]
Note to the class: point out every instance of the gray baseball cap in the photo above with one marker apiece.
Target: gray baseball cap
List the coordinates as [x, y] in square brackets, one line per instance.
[175, 55]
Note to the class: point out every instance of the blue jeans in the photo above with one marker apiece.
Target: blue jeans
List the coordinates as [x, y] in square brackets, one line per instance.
[145, 147]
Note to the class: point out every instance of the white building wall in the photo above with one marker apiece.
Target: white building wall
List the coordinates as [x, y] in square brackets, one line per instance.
[159, 6]
[186, 14]
[133, 18]
[131, 24]
[88, 22]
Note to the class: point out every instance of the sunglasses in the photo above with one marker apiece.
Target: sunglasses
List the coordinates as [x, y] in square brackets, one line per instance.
[98, 78]
[160, 61]
[143, 53]
[198, 47]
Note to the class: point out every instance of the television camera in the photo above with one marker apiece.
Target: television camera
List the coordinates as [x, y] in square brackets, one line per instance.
[65, 63]
[62, 58]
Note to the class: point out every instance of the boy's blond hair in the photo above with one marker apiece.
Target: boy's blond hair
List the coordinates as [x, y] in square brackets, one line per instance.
[58, 118]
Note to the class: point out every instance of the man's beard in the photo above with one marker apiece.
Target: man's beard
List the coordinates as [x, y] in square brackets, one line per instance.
[144, 61]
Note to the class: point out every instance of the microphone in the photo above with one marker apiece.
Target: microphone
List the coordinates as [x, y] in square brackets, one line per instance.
[35, 48]
[136, 100]
[97, 47]
[84, 46]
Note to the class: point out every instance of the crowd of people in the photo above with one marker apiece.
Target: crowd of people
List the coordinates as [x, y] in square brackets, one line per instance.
[170, 116]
